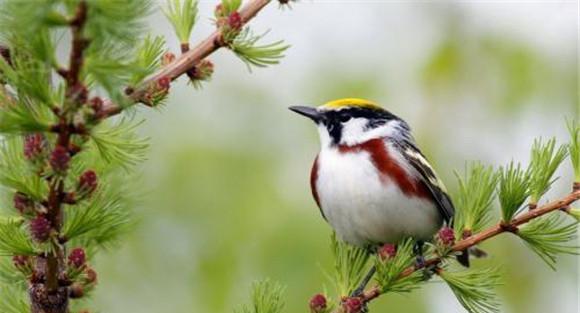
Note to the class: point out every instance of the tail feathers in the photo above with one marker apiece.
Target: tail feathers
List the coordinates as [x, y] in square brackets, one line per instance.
[476, 252]
[463, 258]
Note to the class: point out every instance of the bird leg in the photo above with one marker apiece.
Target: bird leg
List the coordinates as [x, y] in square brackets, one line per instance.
[361, 288]
[418, 251]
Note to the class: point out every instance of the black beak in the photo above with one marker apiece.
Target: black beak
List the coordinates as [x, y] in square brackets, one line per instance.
[309, 112]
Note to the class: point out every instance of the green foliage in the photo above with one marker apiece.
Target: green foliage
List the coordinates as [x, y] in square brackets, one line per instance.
[513, 190]
[389, 270]
[22, 117]
[574, 146]
[266, 298]
[350, 264]
[8, 274]
[549, 236]
[119, 143]
[474, 288]
[182, 17]
[14, 239]
[115, 21]
[544, 162]
[13, 300]
[246, 48]
[148, 56]
[15, 173]
[575, 213]
[476, 195]
[100, 221]
[230, 6]
[28, 76]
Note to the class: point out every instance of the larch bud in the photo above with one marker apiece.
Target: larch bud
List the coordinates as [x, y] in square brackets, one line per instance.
[91, 276]
[23, 203]
[40, 228]
[34, 146]
[76, 291]
[167, 58]
[318, 303]
[203, 70]
[88, 182]
[59, 159]
[77, 258]
[387, 251]
[96, 103]
[353, 305]
[446, 236]
[235, 21]
[164, 83]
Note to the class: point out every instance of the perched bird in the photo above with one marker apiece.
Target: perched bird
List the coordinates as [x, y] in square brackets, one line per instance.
[370, 181]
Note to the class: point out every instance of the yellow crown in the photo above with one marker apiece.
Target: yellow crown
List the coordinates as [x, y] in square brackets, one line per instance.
[350, 102]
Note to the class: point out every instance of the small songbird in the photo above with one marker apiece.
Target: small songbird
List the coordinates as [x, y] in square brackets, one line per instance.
[370, 181]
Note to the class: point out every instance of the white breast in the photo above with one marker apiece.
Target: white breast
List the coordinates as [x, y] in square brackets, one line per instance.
[362, 208]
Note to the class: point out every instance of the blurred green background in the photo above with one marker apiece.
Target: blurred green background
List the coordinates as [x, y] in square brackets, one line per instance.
[225, 194]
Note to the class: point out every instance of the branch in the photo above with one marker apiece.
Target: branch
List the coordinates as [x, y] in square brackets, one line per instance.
[186, 61]
[560, 204]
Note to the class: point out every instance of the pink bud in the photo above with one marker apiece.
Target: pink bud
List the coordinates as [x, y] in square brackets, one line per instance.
[59, 159]
[40, 228]
[353, 305]
[96, 104]
[235, 21]
[88, 182]
[167, 58]
[387, 251]
[446, 236]
[34, 146]
[20, 261]
[318, 303]
[164, 83]
[77, 258]
[22, 203]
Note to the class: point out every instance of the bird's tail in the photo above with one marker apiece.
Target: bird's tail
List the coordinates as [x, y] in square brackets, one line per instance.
[463, 258]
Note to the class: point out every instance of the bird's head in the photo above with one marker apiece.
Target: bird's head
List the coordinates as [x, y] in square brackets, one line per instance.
[353, 121]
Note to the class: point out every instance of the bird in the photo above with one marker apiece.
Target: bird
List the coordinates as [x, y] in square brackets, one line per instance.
[371, 182]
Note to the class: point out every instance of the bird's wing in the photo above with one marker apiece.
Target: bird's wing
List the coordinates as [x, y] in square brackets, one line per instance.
[428, 177]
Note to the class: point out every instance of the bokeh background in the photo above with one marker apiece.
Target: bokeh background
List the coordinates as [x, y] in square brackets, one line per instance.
[225, 196]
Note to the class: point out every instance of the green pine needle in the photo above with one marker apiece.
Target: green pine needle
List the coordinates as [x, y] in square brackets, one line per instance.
[9, 275]
[549, 236]
[148, 58]
[350, 265]
[100, 221]
[544, 162]
[574, 146]
[14, 239]
[15, 172]
[119, 143]
[389, 270]
[476, 195]
[266, 298]
[230, 6]
[245, 47]
[513, 190]
[13, 300]
[182, 17]
[474, 288]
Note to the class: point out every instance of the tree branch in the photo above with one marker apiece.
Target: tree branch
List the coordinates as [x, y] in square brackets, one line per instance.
[186, 61]
[560, 204]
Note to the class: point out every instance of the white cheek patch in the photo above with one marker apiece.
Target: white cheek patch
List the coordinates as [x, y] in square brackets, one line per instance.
[353, 131]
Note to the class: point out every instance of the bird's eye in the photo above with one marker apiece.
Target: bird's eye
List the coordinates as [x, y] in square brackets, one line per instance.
[345, 118]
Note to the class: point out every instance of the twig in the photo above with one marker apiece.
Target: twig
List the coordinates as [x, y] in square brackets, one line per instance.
[187, 60]
[375, 291]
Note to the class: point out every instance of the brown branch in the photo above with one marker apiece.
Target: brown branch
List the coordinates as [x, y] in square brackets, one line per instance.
[54, 259]
[187, 60]
[564, 202]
